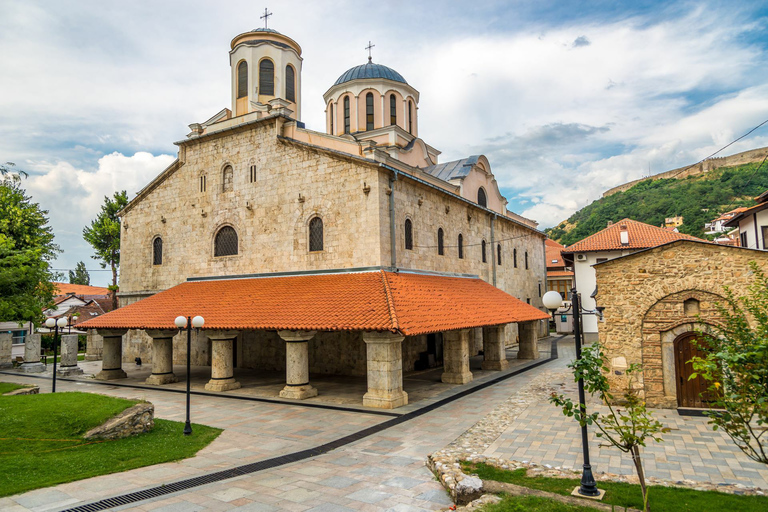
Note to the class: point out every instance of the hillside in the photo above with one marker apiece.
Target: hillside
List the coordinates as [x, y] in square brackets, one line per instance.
[699, 199]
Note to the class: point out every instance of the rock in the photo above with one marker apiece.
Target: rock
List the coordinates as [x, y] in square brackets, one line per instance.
[134, 420]
[469, 489]
[30, 390]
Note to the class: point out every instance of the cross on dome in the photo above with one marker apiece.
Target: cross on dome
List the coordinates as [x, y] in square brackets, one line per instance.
[370, 59]
[266, 16]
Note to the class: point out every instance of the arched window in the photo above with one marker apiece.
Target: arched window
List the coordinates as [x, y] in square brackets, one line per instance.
[498, 254]
[514, 258]
[482, 199]
[316, 234]
[242, 79]
[482, 247]
[346, 114]
[408, 234]
[266, 77]
[290, 84]
[440, 248]
[369, 111]
[252, 173]
[392, 109]
[225, 243]
[461, 246]
[410, 117]
[526, 260]
[330, 109]
[157, 251]
[227, 177]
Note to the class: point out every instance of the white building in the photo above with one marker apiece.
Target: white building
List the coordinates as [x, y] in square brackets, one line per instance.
[753, 224]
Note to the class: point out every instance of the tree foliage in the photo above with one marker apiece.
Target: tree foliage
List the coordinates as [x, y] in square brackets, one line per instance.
[79, 275]
[699, 199]
[104, 236]
[26, 249]
[627, 429]
[736, 368]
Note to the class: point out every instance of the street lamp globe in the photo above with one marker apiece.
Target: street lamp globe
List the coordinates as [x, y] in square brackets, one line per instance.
[181, 322]
[61, 322]
[552, 300]
[197, 322]
[50, 323]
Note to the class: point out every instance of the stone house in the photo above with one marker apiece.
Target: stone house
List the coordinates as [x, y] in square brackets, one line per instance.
[657, 300]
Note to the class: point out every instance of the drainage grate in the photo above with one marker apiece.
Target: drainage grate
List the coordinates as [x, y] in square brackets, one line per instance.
[181, 485]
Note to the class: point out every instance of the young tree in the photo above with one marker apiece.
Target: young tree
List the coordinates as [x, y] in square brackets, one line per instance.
[26, 249]
[736, 368]
[79, 275]
[627, 429]
[104, 236]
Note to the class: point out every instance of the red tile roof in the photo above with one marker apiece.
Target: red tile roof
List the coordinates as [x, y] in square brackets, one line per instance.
[554, 258]
[559, 273]
[79, 289]
[408, 303]
[641, 236]
[734, 222]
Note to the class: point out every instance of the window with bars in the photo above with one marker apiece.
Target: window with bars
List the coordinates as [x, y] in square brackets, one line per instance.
[227, 177]
[346, 114]
[482, 199]
[202, 183]
[482, 248]
[316, 234]
[157, 251]
[498, 254]
[369, 111]
[266, 77]
[392, 109]
[461, 246]
[290, 84]
[440, 245]
[514, 258]
[526, 260]
[252, 174]
[408, 234]
[225, 243]
[242, 79]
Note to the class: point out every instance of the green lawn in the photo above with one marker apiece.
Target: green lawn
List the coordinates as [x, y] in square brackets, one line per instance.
[41, 440]
[661, 499]
[7, 387]
[533, 504]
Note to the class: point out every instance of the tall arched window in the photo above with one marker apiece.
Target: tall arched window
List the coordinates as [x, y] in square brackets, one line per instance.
[410, 117]
[227, 177]
[242, 79]
[498, 254]
[316, 234]
[461, 246]
[440, 248]
[526, 260]
[392, 109]
[482, 199]
[369, 111]
[482, 247]
[290, 84]
[330, 109]
[408, 234]
[267, 77]
[514, 258]
[346, 114]
[157, 251]
[225, 243]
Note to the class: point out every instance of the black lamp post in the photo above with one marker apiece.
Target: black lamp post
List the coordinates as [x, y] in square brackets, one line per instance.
[55, 324]
[552, 301]
[188, 322]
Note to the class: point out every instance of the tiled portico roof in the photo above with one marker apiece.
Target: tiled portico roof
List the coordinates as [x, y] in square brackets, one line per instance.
[407, 303]
[641, 236]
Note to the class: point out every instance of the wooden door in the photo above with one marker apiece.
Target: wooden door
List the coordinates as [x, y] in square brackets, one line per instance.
[690, 392]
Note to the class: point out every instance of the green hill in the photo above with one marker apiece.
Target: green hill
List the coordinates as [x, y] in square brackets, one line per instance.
[699, 199]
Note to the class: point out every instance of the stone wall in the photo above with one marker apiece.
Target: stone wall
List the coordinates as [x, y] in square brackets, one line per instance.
[645, 296]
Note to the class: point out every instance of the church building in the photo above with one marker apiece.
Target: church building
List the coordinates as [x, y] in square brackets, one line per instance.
[352, 251]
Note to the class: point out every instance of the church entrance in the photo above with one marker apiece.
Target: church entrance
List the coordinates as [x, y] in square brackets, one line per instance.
[690, 392]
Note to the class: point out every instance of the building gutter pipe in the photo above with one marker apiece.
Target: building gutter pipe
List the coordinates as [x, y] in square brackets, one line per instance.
[392, 235]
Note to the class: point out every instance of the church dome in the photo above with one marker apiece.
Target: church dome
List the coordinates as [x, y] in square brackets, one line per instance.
[370, 70]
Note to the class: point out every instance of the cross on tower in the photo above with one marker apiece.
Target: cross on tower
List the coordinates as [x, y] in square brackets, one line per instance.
[265, 17]
[369, 50]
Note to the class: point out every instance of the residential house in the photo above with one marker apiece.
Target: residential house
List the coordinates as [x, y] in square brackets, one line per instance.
[753, 224]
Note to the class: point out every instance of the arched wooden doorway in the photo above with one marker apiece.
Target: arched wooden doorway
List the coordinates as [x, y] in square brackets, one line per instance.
[690, 392]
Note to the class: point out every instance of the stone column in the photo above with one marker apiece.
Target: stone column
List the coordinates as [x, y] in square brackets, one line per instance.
[529, 343]
[494, 350]
[68, 364]
[222, 367]
[162, 357]
[297, 365]
[32, 362]
[112, 361]
[93, 346]
[385, 370]
[456, 357]
[6, 340]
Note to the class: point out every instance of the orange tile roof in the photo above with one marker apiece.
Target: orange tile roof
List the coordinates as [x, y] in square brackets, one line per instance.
[408, 303]
[79, 289]
[554, 258]
[641, 236]
[559, 273]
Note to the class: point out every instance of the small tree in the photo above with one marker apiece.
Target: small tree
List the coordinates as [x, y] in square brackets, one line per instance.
[79, 275]
[736, 368]
[627, 429]
[104, 236]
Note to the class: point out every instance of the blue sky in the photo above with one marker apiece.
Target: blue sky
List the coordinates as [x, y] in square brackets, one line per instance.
[567, 99]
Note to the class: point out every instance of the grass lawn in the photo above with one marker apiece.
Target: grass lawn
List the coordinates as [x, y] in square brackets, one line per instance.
[41, 440]
[7, 387]
[533, 504]
[661, 499]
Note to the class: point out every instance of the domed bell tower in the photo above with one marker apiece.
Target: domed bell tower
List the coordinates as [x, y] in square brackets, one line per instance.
[266, 73]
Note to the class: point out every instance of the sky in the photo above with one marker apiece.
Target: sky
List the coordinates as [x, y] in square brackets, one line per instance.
[566, 99]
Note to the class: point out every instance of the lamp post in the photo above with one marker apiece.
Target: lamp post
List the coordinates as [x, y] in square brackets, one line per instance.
[55, 324]
[552, 301]
[188, 322]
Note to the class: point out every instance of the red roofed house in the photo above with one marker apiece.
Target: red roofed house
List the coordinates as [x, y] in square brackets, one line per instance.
[298, 247]
[619, 239]
[753, 224]
[559, 275]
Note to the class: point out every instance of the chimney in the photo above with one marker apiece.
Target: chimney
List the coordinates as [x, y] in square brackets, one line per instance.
[624, 235]
[610, 223]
